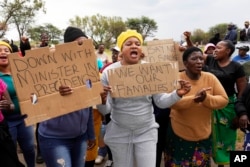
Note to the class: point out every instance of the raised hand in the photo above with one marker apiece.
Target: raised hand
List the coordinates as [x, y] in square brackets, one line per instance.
[185, 87]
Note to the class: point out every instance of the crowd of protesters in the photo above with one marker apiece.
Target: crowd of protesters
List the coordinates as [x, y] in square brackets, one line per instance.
[190, 126]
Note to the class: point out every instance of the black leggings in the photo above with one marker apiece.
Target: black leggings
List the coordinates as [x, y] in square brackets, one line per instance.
[8, 151]
[162, 119]
[90, 163]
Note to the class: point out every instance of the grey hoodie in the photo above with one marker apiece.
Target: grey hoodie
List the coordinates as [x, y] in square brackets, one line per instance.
[134, 112]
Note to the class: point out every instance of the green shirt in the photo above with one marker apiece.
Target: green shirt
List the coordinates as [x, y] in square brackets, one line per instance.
[12, 91]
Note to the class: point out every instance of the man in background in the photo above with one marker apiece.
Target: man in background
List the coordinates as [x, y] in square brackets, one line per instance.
[231, 33]
[44, 40]
[245, 32]
[242, 56]
[100, 53]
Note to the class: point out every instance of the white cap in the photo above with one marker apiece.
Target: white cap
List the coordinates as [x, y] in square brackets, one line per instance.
[116, 48]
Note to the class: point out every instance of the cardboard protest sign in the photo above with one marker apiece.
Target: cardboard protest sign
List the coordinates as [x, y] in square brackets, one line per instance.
[178, 55]
[143, 79]
[162, 51]
[38, 75]
[159, 51]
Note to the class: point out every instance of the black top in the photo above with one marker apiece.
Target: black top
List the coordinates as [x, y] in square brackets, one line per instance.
[24, 46]
[226, 75]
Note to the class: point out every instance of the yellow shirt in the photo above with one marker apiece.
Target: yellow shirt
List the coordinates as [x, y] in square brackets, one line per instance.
[92, 154]
[192, 121]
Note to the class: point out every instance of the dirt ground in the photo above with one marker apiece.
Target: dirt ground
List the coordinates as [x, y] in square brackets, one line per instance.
[238, 147]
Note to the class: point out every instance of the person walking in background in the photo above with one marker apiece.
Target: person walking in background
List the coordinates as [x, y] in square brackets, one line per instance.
[101, 55]
[242, 109]
[245, 32]
[24, 45]
[115, 53]
[231, 75]
[20, 133]
[65, 139]
[231, 33]
[189, 131]
[132, 132]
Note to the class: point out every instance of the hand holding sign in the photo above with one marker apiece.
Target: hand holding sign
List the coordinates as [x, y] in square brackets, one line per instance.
[143, 79]
[69, 67]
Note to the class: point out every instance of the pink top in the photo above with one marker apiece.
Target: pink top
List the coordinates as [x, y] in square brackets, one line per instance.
[3, 88]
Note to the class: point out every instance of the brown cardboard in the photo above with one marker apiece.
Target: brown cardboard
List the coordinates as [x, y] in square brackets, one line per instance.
[143, 79]
[162, 51]
[42, 71]
[159, 51]
[178, 55]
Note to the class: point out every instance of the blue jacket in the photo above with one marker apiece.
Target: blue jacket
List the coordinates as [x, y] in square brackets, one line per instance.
[69, 126]
[241, 60]
[232, 36]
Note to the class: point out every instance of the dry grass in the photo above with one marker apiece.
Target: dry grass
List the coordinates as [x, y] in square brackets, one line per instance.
[240, 140]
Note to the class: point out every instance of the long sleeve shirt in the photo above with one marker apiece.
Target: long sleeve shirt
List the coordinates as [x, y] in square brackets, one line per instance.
[191, 120]
[135, 112]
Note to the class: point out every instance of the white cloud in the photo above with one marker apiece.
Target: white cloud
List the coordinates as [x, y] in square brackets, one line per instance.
[172, 16]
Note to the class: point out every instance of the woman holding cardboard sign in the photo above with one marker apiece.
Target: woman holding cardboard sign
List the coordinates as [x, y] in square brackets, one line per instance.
[132, 132]
[65, 139]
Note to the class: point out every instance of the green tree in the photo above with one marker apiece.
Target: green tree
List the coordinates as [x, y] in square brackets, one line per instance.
[6, 10]
[199, 36]
[101, 29]
[218, 28]
[21, 13]
[53, 32]
[35, 32]
[143, 25]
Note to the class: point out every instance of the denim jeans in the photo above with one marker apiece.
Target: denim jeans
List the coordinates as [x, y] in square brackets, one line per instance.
[102, 151]
[63, 152]
[24, 135]
[247, 141]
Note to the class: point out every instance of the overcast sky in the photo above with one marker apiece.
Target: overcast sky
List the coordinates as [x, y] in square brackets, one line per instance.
[172, 16]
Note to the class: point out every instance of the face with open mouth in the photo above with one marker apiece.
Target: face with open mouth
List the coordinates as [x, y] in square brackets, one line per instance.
[131, 51]
[4, 52]
[195, 62]
[221, 51]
